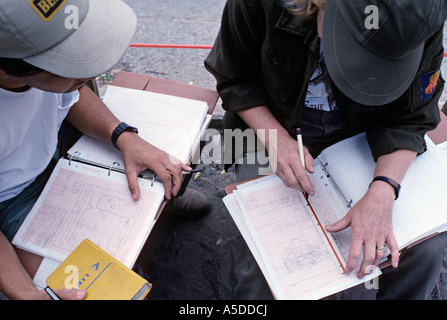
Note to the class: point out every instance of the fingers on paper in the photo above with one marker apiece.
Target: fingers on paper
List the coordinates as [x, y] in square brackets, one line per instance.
[373, 255]
[132, 182]
[304, 181]
[308, 160]
[394, 250]
[355, 252]
[380, 253]
[296, 179]
[371, 258]
[340, 225]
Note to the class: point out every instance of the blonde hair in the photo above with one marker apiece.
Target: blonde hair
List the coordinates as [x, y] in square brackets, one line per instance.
[304, 8]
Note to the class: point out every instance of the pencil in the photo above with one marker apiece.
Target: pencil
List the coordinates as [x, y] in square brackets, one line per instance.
[299, 138]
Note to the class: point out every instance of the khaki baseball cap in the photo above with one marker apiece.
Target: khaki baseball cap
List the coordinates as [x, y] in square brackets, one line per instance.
[70, 38]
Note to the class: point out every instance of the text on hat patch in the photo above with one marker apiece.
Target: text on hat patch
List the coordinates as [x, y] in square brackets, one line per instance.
[46, 9]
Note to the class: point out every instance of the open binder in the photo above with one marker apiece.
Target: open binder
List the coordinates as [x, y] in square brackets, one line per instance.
[82, 201]
[170, 123]
[296, 258]
[87, 195]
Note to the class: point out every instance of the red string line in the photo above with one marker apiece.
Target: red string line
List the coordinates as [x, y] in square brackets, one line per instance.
[175, 46]
[183, 46]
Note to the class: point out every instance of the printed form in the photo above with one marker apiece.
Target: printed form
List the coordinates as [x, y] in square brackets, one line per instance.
[287, 245]
[77, 204]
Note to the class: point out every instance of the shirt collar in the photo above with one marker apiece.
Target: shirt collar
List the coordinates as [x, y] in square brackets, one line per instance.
[305, 28]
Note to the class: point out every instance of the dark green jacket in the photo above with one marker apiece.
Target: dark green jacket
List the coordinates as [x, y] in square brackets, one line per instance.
[263, 55]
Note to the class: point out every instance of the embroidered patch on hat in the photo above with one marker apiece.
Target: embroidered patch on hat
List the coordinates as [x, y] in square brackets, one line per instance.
[429, 81]
[46, 9]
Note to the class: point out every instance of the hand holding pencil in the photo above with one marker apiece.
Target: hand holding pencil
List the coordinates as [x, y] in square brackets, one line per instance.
[299, 139]
[291, 170]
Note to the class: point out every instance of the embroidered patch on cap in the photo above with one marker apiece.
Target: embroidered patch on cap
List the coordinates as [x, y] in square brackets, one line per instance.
[429, 81]
[46, 9]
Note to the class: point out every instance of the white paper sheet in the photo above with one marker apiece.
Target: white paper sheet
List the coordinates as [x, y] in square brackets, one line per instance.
[417, 212]
[285, 242]
[172, 124]
[81, 201]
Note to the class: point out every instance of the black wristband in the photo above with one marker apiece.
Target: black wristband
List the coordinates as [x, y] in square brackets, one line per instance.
[122, 127]
[391, 182]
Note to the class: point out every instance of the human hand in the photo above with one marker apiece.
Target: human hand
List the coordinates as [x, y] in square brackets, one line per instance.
[371, 222]
[286, 163]
[62, 294]
[139, 155]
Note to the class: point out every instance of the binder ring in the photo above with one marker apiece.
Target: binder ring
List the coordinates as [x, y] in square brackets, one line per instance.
[153, 180]
[110, 169]
[349, 204]
[71, 156]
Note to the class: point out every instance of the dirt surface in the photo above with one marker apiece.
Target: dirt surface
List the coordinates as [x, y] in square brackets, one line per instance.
[188, 258]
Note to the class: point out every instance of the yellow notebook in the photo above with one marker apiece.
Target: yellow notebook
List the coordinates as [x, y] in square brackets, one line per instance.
[103, 277]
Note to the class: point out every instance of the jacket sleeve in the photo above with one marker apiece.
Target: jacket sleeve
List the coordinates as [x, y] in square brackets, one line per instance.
[235, 58]
[404, 122]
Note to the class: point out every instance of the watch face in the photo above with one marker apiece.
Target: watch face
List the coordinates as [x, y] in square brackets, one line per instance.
[133, 129]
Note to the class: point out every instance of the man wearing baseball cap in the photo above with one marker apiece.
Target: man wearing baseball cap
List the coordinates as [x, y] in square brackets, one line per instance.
[321, 66]
[46, 58]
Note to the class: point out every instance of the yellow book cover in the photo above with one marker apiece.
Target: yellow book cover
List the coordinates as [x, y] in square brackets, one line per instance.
[103, 277]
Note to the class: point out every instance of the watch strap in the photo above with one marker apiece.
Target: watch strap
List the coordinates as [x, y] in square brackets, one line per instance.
[122, 127]
[391, 182]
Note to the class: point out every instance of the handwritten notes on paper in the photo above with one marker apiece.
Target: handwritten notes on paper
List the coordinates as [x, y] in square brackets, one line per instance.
[77, 205]
[285, 242]
[274, 225]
